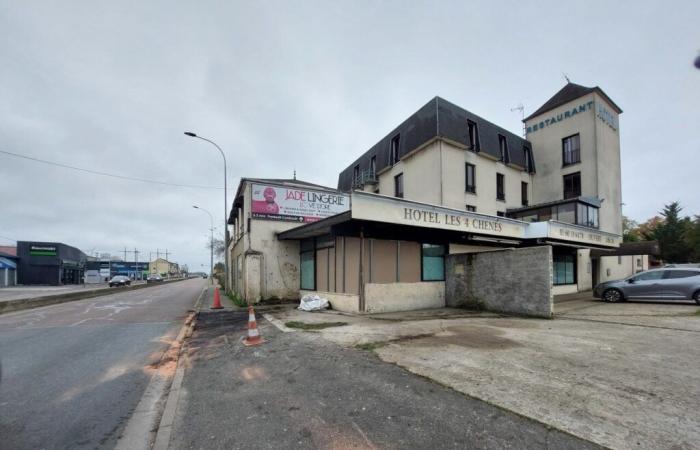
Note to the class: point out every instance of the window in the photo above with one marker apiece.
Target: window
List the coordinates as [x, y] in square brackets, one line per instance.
[523, 193]
[471, 208]
[564, 268]
[398, 186]
[500, 213]
[356, 175]
[473, 136]
[572, 185]
[471, 178]
[527, 155]
[571, 150]
[639, 262]
[502, 148]
[648, 276]
[432, 262]
[373, 167]
[308, 265]
[394, 154]
[671, 274]
[566, 213]
[619, 260]
[500, 186]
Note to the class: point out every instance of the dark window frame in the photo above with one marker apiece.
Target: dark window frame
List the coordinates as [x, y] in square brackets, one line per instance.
[500, 214]
[373, 166]
[570, 191]
[302, 252]
[524, 195]
[564, 258]
[502, 148]
[398, 179]
[471, 188]
[500, 187]
[394, 149]
[473, 136]
[573, 156]
[527, 156]
[471, 208]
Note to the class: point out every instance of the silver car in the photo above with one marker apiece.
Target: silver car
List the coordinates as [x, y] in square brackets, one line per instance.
[660, 284]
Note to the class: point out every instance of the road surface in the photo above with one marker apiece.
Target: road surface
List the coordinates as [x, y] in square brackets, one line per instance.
[74, 372]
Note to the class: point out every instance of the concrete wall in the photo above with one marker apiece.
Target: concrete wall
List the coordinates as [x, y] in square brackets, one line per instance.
[278, 275]
[584, 270]
[516, 281]
[391, 297]
[617, 268]
[341, 302]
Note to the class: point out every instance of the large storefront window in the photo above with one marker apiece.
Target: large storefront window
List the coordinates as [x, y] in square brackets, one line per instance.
[433, 262]
[308, 265]
[564, 268]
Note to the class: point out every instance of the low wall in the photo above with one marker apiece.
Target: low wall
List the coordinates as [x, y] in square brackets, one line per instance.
[393, 297]
[340, 302]
[514, 281]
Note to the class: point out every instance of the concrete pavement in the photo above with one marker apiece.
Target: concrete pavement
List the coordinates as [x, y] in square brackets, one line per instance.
[300, 391]
[623, 375]
[73, 373]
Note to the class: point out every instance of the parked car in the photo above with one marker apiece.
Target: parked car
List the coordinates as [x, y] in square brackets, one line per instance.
[154, 278]
[119, 280]
[658, 284]
[204, 275]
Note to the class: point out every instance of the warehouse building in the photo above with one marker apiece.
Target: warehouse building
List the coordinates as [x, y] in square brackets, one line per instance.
[49, 263]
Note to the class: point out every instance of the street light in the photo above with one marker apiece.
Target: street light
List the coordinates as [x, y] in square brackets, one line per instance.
[211, 243]
[191, 134]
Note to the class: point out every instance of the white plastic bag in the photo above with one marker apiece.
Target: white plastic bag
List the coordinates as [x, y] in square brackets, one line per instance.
[312, 302]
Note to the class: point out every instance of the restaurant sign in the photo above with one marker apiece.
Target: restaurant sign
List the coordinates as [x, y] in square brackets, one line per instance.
[269, 202]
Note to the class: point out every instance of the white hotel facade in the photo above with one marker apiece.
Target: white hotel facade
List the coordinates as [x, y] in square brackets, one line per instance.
[443, 182]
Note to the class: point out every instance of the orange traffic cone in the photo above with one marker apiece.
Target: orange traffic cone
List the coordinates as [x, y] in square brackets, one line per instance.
[254, 337]
[217, 300]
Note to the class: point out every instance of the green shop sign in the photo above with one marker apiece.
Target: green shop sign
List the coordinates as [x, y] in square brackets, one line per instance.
[39, 250]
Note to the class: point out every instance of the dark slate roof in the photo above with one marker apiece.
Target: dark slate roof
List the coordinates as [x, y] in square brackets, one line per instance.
[438, 118]
[568, 93]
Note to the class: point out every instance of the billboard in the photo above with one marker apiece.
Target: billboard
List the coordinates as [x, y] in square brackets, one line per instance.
[295, 205]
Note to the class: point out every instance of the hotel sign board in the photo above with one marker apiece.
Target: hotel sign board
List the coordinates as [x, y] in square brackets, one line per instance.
[404, 212]
[380, 208]
[291, 204]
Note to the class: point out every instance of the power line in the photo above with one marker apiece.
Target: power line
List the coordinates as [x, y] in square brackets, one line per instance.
[7, 238]
[105, 174]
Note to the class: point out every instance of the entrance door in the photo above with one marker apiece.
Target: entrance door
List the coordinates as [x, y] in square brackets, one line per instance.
[595, 267]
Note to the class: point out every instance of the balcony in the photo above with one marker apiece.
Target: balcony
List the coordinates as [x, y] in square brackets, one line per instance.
[578, 211]
[364, 177]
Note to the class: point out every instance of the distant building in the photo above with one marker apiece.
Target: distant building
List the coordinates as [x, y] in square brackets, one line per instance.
[163, 268]
[49, 263]
[8, 266]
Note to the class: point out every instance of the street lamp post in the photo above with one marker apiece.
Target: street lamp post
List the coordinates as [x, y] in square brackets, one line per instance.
[226, 237]
[211, 243]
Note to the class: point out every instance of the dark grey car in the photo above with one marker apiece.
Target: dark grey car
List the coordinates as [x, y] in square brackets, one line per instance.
[659, 284]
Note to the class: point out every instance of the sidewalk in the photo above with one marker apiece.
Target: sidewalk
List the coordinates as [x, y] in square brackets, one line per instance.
[300, 391]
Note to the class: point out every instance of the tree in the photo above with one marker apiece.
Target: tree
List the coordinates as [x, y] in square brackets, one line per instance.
[219, 267]
[692, 238]
[671, 234]
[630, 232]
[219, 247]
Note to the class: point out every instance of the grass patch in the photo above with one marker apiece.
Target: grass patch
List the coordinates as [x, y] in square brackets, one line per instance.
[697, 313]
[313, 326]
[369, 346]
[236, 299]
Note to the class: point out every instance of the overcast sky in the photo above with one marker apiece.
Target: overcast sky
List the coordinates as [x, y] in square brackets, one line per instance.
[112, 85]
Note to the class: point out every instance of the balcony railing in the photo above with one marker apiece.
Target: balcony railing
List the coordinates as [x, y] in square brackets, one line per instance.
[363, 178]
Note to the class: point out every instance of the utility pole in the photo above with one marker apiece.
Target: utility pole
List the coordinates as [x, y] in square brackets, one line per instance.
[136, 259]
[157, 253]
[166, 254]
[124, 253]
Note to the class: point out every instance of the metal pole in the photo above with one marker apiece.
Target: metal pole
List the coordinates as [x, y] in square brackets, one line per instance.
[226, 236]
[211, 243]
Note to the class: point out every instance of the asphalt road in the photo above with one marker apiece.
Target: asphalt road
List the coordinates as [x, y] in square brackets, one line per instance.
[73, 373]
[299, 391]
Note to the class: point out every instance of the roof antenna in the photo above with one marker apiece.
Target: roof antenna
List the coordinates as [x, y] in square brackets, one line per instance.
[566, 77]
[520, 108]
